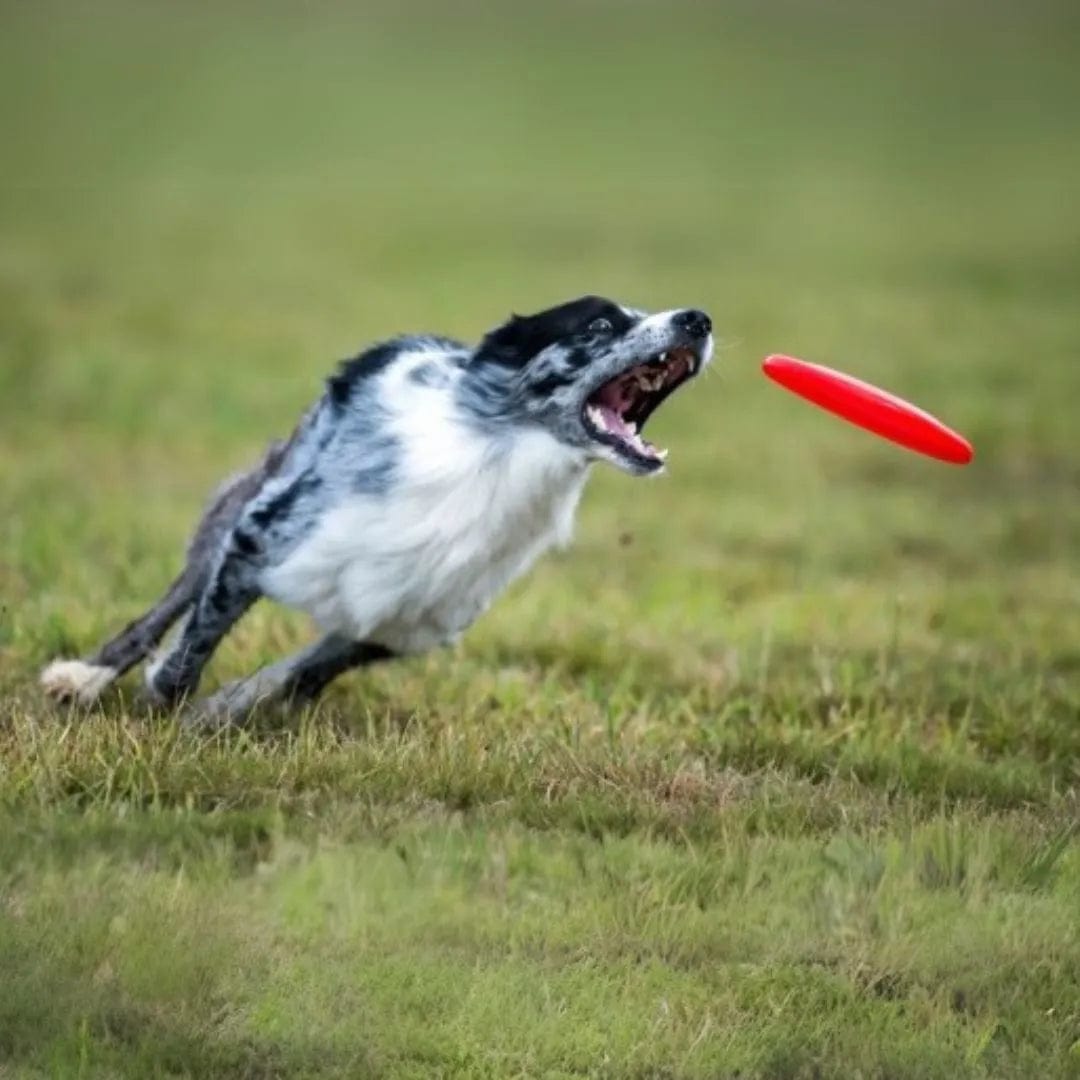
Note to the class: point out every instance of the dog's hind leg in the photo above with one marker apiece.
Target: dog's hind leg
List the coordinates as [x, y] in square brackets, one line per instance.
[298, 678]
[85, 680]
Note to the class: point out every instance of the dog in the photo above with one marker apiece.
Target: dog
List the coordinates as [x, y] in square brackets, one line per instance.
[428, 476]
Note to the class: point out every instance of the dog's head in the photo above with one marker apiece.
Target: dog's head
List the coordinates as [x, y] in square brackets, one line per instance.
[592, 372]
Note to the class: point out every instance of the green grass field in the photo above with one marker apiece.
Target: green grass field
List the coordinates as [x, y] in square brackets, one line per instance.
[777, 772]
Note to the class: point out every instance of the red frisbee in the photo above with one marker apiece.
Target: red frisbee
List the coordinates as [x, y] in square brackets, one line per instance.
[876, 410]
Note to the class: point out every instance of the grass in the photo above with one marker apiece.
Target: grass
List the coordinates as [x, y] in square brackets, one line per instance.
[777, 772]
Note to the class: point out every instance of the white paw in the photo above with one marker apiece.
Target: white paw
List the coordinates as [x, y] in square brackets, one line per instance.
[76, 680]
[151, 693]
[210, 715]
[228, 706]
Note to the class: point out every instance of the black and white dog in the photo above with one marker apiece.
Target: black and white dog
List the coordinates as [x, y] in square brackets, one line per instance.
[427, 477]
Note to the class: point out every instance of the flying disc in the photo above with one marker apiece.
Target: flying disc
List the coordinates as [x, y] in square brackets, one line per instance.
[869, 407]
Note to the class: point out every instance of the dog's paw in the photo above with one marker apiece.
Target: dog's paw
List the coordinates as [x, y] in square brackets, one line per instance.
[159, 691]
[76, 680]
[226, 708]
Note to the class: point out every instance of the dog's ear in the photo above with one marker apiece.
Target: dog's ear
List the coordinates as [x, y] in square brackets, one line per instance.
[513, 344]
[519, 339]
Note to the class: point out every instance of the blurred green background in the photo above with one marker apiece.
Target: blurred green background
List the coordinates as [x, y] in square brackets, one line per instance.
[718, 791]
[201, 212]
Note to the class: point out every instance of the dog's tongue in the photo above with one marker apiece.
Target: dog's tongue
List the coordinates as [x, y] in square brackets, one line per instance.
[614, 422]
[611, 400]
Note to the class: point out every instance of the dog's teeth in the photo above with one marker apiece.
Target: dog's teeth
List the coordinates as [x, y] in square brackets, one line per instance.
[663, 357]
[661, 454]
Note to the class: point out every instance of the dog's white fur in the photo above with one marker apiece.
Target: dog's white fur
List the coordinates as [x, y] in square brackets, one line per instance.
[472, 513]
[76, 680]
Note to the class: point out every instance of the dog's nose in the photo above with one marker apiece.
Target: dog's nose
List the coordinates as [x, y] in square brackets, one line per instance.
[696, 323]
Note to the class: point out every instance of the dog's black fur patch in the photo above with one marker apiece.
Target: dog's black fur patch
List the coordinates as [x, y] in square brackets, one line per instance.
[517, 341]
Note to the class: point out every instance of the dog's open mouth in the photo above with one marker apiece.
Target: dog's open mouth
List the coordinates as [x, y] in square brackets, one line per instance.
[615, 412]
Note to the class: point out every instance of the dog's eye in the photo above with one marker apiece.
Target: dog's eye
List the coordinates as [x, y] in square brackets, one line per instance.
[600, 326]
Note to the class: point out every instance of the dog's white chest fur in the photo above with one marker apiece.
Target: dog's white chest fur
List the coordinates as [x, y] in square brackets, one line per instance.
[468, 514]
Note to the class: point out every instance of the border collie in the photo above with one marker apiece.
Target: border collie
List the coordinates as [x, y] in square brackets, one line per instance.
[428, 476]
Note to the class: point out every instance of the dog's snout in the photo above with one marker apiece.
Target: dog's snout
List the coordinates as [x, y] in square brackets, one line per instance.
[696, 323]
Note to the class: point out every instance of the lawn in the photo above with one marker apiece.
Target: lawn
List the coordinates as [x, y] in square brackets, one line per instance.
[776, 773]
